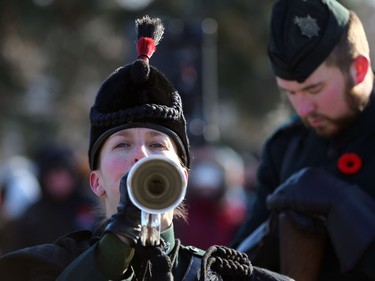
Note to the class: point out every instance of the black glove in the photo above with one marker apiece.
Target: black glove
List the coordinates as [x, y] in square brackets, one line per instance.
[127, 221]
[349, 211]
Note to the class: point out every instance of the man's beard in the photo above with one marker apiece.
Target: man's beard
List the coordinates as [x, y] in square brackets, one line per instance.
[338, 125]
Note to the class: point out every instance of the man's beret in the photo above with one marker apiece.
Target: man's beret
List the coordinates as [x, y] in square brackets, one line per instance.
[303, 33]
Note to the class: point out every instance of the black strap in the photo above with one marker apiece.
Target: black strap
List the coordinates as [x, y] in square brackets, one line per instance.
[191, 273]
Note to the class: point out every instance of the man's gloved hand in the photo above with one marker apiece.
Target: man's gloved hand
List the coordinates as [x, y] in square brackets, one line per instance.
[349, 211]
[127, 221]
[311, 191]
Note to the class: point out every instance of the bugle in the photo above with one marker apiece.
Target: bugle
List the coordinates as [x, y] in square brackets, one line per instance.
[156, 185]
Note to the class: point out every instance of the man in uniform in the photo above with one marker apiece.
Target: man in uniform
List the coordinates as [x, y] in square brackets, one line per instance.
[318, 168]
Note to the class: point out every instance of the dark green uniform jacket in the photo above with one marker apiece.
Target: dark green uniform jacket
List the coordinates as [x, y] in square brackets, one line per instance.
[293, 147]
[73, 258]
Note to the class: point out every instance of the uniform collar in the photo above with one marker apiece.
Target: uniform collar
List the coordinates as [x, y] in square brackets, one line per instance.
[168, 239]
[363, 125]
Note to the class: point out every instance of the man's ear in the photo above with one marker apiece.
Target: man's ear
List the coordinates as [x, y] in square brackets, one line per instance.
[360, 67]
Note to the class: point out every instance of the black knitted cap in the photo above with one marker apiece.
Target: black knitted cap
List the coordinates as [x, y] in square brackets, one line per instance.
[303, 33]
[139, 95]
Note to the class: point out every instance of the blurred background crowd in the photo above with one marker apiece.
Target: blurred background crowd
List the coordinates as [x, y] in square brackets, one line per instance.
[55, 53]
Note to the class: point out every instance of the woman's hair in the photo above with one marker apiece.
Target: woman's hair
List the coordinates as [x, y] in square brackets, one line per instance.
[352, 43]
[181, 212]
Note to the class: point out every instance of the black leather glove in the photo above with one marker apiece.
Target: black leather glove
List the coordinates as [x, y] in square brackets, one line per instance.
[349, 211]
[127, 221]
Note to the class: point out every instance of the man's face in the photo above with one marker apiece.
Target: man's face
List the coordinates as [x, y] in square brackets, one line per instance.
[324, 101]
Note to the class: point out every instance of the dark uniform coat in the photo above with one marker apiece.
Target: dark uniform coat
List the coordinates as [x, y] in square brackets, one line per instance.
[72, 257]
[293, 147]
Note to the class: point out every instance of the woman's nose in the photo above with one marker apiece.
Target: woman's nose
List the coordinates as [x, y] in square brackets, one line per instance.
[140, 152]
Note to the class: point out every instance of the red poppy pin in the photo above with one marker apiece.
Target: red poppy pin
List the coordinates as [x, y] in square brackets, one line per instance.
[349, 163]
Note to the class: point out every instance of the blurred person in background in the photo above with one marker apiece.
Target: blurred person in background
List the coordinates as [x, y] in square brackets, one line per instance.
[65, 204]
[315, 197]
[19, 188]
[216, 198]
[251, 163]
[137, 115]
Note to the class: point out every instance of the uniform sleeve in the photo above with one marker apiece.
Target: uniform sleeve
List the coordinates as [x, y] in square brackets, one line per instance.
[367, 263]
[267, 275]
[108, 259]
[83, 268]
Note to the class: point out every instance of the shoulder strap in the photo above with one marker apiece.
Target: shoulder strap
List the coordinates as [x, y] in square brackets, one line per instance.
[191, 273]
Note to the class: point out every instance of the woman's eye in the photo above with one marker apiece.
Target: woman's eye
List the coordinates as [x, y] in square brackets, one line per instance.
[121, 145]
[158, 145]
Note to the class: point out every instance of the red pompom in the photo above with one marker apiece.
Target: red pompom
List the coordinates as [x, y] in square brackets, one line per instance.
[145, 47]
[349, 163]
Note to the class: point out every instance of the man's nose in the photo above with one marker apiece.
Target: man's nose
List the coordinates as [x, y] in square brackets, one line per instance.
[304, 106]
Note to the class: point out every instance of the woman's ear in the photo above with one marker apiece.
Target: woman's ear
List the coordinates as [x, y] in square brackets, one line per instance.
[360, 67]
[95, 185]
[186, 173]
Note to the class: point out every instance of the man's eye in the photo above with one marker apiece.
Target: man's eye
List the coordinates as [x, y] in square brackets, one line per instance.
[315, 90]
[288, 93]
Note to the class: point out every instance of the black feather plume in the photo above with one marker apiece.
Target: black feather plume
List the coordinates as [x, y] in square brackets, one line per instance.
[149, 27]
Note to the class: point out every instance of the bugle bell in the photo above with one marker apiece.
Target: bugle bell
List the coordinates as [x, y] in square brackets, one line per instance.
[156, 184]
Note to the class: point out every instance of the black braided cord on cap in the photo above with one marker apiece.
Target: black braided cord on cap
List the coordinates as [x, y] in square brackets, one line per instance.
[162, 112]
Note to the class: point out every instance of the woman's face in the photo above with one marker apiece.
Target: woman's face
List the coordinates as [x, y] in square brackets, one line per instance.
[119, 153]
